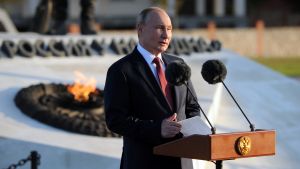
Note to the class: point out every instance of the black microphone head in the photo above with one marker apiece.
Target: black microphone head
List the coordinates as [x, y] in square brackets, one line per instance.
[213, 71]
[177, 72]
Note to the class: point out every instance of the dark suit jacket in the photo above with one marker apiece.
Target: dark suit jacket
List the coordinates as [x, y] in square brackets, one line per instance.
[135, 107]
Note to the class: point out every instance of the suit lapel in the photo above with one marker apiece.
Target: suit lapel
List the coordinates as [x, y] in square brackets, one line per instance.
[175, 89]
[145, 72]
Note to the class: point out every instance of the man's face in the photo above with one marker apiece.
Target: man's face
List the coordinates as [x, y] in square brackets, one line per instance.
[156, 33]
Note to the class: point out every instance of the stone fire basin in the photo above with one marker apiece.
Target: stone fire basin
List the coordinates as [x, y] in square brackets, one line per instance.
[54, 105]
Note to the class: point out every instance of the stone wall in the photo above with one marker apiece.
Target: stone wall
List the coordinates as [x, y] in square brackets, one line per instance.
[277, 42]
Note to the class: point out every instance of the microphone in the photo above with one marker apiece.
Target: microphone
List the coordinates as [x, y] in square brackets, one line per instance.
[178, 73]
[214, 71]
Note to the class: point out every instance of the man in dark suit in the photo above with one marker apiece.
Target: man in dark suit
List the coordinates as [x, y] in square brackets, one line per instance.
[139, 104]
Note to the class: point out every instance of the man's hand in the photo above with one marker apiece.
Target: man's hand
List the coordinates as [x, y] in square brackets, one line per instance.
[170, 127]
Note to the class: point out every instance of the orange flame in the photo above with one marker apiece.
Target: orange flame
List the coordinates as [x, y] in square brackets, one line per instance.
[82, 87]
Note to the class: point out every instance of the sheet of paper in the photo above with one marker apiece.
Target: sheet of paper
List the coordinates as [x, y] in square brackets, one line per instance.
[194, 125]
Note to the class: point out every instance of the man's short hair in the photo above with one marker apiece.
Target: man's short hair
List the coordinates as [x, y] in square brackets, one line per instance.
[141, 18]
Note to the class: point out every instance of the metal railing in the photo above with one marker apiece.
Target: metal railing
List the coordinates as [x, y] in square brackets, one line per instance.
[34, 157]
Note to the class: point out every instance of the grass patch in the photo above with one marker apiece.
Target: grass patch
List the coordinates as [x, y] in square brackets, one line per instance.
[289, 66]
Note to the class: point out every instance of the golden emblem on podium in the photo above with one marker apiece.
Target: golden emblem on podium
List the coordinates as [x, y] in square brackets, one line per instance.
[243, 145]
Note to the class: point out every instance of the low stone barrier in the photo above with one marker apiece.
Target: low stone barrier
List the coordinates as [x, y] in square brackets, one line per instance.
[83, 46]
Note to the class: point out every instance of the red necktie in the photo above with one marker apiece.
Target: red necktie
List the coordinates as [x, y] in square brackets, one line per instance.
[163, 82]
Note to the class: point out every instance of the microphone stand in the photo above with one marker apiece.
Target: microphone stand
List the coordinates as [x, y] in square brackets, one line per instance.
[252, 127]
[219, 163]
[213, 129]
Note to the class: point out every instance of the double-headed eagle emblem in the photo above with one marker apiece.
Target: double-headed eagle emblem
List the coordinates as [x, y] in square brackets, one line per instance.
[243, 145]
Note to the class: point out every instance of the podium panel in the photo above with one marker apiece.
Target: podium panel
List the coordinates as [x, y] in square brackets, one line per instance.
[221, 146]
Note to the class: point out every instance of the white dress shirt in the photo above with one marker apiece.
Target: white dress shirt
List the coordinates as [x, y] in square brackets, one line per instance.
[149, 59]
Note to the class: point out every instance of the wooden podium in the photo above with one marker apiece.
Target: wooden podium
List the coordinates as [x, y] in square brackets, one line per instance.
[217, 147]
